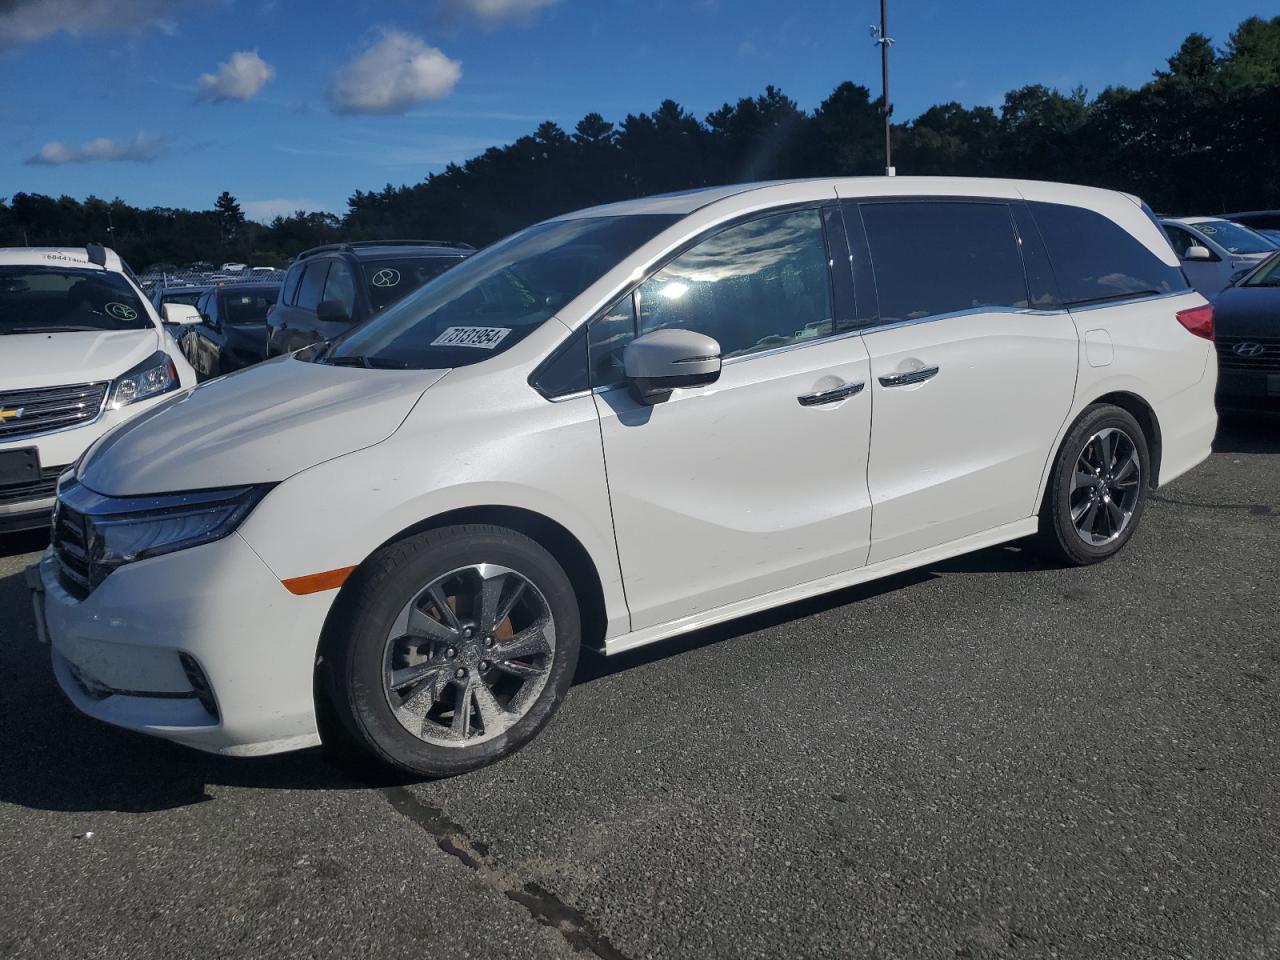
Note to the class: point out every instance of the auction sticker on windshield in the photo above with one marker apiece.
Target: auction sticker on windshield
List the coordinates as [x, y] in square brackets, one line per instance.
[485, 338]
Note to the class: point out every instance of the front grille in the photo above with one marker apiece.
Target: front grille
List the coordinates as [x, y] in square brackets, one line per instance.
[71, 549]
[1265, 361]
[30, 413]
[41, 489]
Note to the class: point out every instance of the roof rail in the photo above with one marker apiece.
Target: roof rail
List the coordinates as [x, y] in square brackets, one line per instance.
[324, 248]
[411, 243]
[97, 253]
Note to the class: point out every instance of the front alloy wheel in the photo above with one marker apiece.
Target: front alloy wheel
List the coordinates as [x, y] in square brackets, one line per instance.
[469, 655]
[447, 650]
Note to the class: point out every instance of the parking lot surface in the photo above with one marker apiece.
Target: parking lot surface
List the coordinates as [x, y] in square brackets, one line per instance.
[990, 757]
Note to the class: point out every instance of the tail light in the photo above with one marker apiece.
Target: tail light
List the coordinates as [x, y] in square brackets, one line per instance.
[1198, 320]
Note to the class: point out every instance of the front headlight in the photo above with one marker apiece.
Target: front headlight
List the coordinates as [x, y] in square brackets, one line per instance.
[152, 377]
[113, 531]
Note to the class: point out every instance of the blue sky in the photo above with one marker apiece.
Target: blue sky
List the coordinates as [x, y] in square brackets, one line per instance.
[107, 94]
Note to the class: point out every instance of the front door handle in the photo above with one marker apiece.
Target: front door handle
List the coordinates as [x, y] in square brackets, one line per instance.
[908, 378]
[841, 392]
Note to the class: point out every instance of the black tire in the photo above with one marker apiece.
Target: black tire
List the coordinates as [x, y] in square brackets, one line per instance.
[1059, 538]
[352, 699]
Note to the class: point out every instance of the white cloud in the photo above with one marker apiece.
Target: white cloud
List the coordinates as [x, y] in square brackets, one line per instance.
[28, 21]
[501, 11]
[240, 78]
[264, 211]
[140, 149]
[392, 75]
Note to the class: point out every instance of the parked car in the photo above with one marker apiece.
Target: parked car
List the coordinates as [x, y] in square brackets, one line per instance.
[330, 289]
[187, 293]
[617, 426]
[1265, 222]
[81, 351]
[1215, 252]
[232, 332]
[1247, 332]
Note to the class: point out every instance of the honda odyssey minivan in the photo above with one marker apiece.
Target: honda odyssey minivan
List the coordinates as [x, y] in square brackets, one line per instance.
[613, 427]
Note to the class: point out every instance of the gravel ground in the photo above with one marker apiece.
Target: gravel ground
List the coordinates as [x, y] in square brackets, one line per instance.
[991, 757]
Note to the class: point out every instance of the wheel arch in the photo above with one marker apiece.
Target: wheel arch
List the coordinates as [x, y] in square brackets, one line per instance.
[554, 537]
[1141, 411]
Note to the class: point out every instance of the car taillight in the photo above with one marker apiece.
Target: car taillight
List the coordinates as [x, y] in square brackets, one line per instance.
[1198, 320]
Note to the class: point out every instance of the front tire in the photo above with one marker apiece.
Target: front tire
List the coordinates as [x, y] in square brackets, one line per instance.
[451, 649]
[1098, 487]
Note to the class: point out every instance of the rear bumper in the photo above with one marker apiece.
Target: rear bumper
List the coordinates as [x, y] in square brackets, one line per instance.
[28, 515]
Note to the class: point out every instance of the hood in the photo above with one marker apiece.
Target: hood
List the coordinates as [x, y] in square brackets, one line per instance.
[1247, 312]
[29, 360]
[261, 424]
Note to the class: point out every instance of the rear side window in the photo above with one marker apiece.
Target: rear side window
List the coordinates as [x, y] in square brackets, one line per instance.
[937, 257]
[1096, 259]
[290, 290]
[312, 287]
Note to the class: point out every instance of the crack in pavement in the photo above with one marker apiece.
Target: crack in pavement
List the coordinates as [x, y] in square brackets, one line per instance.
[543, 905]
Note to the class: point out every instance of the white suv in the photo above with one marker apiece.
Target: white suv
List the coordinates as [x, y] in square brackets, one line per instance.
[616, 426]
[81, 350]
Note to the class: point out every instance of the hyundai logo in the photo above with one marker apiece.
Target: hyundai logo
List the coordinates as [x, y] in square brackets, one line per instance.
[1248, 348]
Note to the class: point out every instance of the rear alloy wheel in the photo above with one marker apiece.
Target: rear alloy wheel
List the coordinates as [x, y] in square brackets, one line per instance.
[449, 650]
[1098, 487]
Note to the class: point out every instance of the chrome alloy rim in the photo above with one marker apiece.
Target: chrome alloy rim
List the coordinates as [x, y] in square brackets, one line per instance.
[468, 656]
[1105, 486]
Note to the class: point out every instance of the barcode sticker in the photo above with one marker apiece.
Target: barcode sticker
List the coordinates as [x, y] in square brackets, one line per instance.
[483, 338]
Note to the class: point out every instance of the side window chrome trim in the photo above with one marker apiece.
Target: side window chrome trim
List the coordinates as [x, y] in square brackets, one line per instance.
[1084, 305]
[971, 312]
[788, 347]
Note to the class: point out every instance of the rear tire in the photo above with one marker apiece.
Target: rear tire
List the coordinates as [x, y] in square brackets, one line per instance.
[1097, 489]
[451, 650]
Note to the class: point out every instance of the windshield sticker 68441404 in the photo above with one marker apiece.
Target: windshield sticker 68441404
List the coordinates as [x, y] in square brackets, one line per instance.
[485, 338]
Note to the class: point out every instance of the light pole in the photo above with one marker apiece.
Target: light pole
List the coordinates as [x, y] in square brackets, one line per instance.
[880, 35]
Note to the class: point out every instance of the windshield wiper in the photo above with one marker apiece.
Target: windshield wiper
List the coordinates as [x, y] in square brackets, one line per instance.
[52, 329]
[369, 363]
[347, 362]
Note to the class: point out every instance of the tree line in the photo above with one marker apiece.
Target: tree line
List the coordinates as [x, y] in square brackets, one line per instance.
[1202, 136]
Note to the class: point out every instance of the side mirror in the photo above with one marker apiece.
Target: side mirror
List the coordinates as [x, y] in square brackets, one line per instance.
[1197, 252]
[180, 314]
[666, 360]
[332, 311]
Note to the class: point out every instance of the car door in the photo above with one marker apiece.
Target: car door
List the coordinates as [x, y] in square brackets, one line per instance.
[1207, 276]
[972, 370]
[758, 481]
[190, 338]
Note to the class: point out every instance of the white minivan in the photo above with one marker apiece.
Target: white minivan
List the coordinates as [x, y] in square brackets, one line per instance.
[613, 427]
[81, 350]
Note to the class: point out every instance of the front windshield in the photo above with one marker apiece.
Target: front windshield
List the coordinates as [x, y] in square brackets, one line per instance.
[1234, 237]
[393, 279]
[495, 298]
[66, 300]
[1267, 275]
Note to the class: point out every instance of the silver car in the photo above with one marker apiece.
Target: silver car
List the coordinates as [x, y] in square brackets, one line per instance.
[1215, 252]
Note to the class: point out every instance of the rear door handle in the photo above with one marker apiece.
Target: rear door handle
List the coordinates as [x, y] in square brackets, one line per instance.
[908, 378]
[830, 396]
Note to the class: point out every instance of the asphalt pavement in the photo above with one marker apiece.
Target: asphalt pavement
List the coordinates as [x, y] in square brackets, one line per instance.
[991, 757]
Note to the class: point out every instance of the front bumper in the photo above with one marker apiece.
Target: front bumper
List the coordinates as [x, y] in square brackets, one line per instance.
[125, 653]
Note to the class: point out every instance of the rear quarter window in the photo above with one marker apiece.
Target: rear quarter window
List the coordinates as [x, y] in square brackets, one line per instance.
[1096, 259]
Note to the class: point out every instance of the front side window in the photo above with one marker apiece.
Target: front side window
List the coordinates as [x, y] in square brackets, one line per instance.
[1234, 237]
[393, 279]
[1267, 275]
[754, 286]
[340, 287]
[939, 257]
[311, 290]
[1095, 259]
[497, 297]
[37, 299]
[1179, 239]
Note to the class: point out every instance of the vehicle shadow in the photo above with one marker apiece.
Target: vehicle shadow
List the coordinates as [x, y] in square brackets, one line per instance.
[28, 541]
[1247, 433]
[57, 759]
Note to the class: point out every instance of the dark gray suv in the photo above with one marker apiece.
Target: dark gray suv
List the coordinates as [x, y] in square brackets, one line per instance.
[330, 289]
